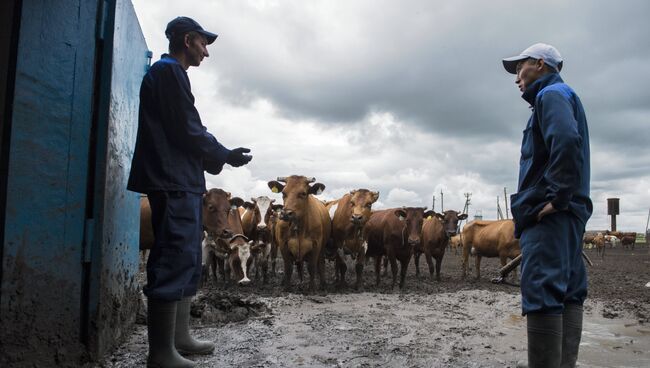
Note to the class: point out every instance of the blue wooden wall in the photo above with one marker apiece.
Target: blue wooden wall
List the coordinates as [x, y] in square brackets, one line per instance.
[69, 253]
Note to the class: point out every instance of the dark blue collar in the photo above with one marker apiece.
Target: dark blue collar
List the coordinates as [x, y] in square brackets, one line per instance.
[531, 92]
[166, 58]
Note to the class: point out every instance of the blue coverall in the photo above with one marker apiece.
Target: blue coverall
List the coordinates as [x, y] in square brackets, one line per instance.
[554, 167]
[172, 150]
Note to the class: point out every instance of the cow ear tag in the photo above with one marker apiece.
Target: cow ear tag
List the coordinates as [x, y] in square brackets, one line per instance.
[275, 190]
[319, 191]
[430, 217]
[401, 218]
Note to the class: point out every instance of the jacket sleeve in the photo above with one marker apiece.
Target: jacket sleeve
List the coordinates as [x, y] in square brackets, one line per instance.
[564, 144]
[182, 120]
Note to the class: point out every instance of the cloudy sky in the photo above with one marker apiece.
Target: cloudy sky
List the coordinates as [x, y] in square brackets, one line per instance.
[410, 97]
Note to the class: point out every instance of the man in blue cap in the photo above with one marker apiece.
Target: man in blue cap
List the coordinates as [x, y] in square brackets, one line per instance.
[551, 207]
[172, 151]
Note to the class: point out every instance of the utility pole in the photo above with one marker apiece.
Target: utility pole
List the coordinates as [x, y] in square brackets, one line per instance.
[468, 197]
[499, 213]
[442, 202]
[433, 203]
[505, 199]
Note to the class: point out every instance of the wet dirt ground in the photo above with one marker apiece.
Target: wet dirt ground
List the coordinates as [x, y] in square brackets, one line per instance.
[451, 323]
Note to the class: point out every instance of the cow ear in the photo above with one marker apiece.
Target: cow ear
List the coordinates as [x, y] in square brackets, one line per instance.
[429, 213]
[272, 200]
[401, 214]
[253, 200]
[236, 202]
[375, 196]
[317, 188]
[277, 207]
[275, 186]
[440, 216]
[248, 205]
[462, 216]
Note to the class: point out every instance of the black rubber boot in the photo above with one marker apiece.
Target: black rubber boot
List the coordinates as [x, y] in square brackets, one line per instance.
[186, 344]
[571, 334]
[544, 341]
[161, 321]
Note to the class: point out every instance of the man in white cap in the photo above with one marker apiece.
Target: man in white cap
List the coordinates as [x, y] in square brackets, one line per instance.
[551, 207]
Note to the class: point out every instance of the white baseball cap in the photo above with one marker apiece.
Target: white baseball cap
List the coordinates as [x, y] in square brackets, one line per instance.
[548, 53]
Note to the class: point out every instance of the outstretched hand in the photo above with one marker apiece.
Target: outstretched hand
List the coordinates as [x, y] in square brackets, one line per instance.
[237, 157]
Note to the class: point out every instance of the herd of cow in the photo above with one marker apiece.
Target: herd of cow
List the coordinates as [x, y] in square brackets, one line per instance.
[240, 236]
[611, 238]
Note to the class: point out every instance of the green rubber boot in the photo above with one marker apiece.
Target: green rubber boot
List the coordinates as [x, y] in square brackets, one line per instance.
[161, 321]
[186, 344]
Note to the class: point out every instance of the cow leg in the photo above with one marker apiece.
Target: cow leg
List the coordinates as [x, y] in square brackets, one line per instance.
[465, 264]
[417, 263]
[438, 264]
[359, 270]
[288, 270]
[404, 264]
[393, 268]
[428, 258]
[341, 267]
[300, 266]
[311, 268]
[321, 270]
[478, 267]
[378, 269]
[386, 266]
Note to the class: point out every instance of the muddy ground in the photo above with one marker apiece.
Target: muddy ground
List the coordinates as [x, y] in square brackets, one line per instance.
[451, 323]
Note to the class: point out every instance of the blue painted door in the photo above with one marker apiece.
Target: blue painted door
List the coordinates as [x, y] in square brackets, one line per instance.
[114, 256]
[52, 114]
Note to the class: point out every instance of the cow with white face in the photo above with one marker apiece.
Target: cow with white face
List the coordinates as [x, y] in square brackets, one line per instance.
[257, 221]
[224, 228]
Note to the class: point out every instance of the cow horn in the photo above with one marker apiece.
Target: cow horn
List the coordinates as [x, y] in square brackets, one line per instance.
[312, 179]
[282, 179]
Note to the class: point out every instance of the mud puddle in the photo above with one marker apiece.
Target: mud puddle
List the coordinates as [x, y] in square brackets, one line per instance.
[470, 328]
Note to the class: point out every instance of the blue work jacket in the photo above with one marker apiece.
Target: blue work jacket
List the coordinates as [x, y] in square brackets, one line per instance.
[172, 147]
[554, 165]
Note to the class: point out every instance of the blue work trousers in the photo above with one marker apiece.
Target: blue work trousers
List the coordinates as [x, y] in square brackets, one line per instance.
[552, 269]
[174, 264]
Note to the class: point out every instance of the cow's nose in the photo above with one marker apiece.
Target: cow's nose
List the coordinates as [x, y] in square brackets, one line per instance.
[356, 218]
[287, 215]
[414, 241]
[261, 227]
[226, 233]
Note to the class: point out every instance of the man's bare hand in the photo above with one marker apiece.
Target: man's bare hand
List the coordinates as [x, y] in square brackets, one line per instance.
[547, 210]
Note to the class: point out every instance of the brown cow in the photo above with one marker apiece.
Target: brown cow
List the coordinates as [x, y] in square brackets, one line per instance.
[628, 239]
[256, 222]
[599, 243]
[438, 233]
[489, 239]
[394, 233]
[304, 227]
[455, 243]
[350, 214]
[222, 222]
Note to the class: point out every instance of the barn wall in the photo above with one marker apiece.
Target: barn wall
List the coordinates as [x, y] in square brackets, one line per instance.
[69, 251]
[114, 290]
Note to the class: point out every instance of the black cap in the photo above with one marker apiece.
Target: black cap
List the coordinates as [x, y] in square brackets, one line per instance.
[183, 25]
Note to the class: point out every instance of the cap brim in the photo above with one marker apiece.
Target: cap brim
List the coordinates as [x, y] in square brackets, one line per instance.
[510, 64]
[209, 36]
